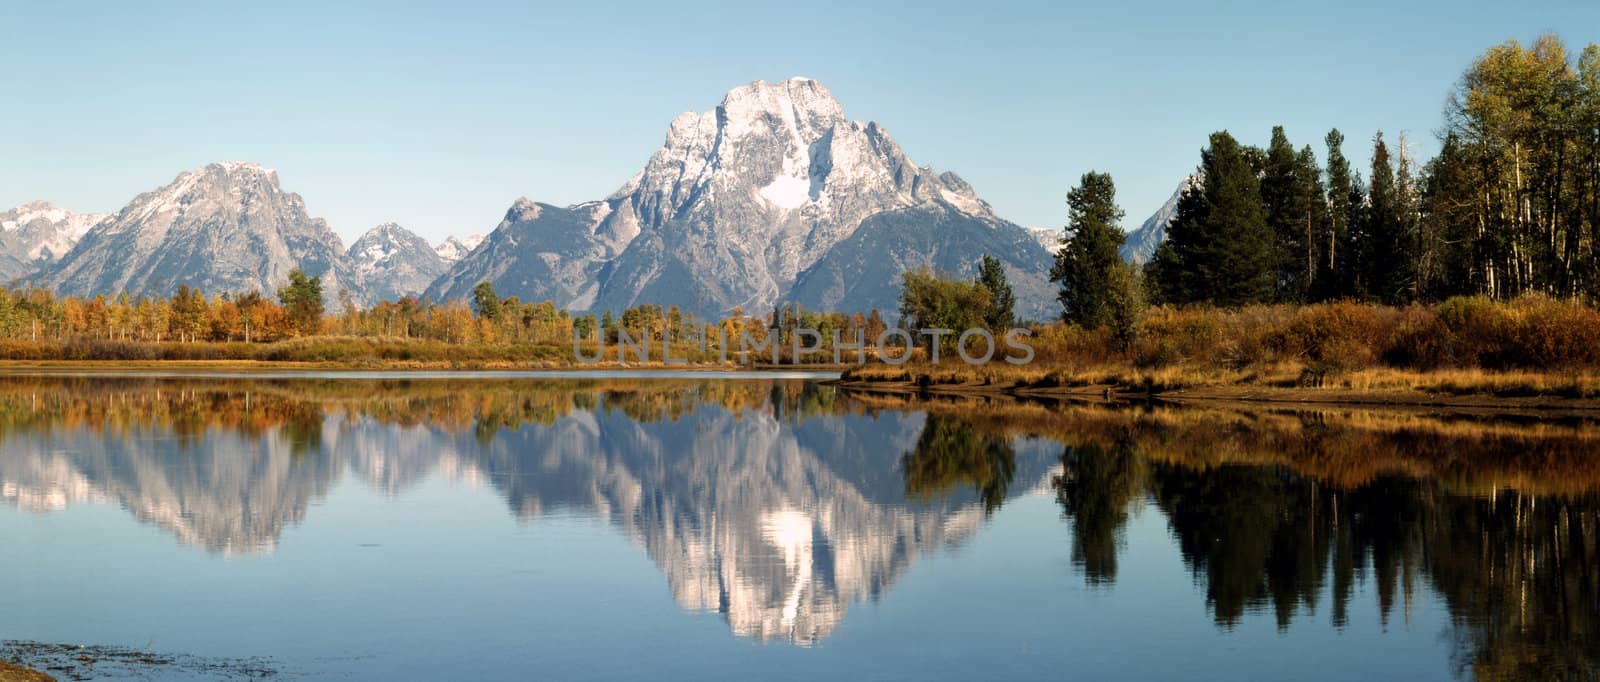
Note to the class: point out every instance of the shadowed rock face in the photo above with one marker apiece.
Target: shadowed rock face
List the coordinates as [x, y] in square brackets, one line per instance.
[737, 205]
[1143, 242]
[226, 227]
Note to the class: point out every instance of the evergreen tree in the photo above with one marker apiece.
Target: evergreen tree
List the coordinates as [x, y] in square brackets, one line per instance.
[1084, 264]
[1408, 201]
[1310, 218]
[1000, 315]
[1385, 249]
[1219, 247]
[1281, 195]
[485, 302]
[1333, 277]
[1454, 254]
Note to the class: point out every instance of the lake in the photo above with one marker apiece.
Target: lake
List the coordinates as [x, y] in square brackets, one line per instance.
[731, 528]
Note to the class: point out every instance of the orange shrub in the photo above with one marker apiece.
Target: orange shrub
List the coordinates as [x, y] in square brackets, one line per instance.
[1343, 335]
[1070, 344]
[1473, 332]
[1170, 336]
[1553, 334]
[1249, 334]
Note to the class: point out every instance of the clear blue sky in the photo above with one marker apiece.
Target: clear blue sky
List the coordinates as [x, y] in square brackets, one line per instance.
[438, 116]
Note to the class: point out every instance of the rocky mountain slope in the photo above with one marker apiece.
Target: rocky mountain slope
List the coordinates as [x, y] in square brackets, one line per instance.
[748, 204]
[1048, 237]
[1142, 243]
[226, 227]
[393, 262]
[37, 234]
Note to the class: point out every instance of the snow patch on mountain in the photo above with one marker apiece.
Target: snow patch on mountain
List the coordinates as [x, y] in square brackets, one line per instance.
[787, 192]
[394, 262]
[455, 248]
[737, 204]
[39, 233]
[1048, 237]
[224, 228]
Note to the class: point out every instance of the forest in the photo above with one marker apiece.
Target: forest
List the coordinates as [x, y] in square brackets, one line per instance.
[1509, 206]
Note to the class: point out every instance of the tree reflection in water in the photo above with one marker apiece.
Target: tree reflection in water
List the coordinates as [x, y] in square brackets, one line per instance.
[1518, 572]
[817, 498]
[952, 454]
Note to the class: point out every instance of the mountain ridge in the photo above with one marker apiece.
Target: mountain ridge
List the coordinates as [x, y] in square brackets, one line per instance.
[223, 227]
[733, 209]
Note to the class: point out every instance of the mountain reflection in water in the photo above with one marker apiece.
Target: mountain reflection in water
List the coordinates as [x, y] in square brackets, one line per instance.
[780, 503]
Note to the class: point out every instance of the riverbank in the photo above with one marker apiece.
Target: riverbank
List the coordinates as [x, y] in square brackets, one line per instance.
[1478, 390]
[382, 365]
[375, 353]
[1285, 384]
[11, 672]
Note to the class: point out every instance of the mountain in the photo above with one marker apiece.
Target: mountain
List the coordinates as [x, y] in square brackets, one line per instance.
[1142, 243]
[36, 234]
[393, 262]
[226, 227]
[749, 204]
[1048, 237]
[455, 248]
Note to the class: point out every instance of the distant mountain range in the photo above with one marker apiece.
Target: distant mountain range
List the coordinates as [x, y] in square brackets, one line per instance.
[35, 235]
[226, 227]
[773, 196]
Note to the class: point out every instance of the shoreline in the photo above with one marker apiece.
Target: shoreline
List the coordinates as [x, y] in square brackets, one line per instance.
[16, 672]
[1248, 395]
[1086, 387]
[378, 366]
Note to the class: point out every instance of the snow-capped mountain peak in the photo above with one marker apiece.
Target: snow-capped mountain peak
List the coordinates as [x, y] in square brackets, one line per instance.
[393, 262]
[739, 204]
[223, 227]
[38, 233]
[455, 248]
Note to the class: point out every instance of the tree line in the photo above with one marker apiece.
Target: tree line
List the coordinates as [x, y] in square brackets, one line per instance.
[1510, 206]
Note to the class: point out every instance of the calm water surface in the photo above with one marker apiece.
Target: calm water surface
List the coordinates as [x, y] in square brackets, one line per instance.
[601, 527]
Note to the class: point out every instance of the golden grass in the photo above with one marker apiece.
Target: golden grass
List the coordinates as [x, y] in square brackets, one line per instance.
[1280, 377]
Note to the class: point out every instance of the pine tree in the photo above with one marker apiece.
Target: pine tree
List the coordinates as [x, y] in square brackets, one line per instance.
[1219, 247]
[1281, 195]
[1333, 276]
[1408, 201]
[1001, 312]
[1311, 219]
[1385, 251]
[1451, 260]
[1084, 264]
[485, 302]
